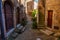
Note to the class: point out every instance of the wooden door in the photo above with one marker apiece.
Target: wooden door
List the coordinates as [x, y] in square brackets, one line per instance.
[49, 20]
[8, 12]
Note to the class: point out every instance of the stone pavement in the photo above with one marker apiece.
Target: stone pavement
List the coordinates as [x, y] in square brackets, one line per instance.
[33, 34]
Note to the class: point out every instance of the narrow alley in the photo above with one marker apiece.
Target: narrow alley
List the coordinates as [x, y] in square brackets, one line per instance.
[33, 34]
[30, 20]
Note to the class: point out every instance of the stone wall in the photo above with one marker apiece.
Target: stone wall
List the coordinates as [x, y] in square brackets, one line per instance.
[55, 6]
[30, 7]
[40, 6]
[40, 16]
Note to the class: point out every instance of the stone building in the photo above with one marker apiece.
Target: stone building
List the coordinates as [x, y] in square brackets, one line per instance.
[51, 11]
[12, 15]
[30, 7]
[8, 14]
[40, 15]
[52, 14]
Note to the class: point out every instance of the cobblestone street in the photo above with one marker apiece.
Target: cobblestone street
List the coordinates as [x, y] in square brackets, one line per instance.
[32, 34]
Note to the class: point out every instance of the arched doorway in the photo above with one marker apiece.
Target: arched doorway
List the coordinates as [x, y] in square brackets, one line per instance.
[8, 13]
[17, 15]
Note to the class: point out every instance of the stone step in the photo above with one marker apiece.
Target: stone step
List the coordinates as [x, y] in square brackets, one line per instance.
[18, 25]
[9, 33]
[46, 31]
[14, 34]
[57, 34]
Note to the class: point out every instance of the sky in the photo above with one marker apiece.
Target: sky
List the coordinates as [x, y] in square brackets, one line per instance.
[36, 1]
[35, 4]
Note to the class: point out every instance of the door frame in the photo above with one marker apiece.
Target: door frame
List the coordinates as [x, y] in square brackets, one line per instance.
[17, 15]
[52, 20]
[11, 4]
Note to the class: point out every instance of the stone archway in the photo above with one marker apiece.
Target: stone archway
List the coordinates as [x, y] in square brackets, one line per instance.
[8, 13]
[17, 15]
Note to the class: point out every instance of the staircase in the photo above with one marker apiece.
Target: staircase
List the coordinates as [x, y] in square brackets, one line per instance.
[41, 20]
[47, 32]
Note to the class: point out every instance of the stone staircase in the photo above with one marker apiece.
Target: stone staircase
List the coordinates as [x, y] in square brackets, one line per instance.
[41, 20]
[47, 32]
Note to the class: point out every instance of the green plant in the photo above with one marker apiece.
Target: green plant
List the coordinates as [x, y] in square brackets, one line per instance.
[23, 22]
[34, 25]
[34, 19]
[34, 12]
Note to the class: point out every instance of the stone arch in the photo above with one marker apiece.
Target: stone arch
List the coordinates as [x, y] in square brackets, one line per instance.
[17, 15]
[8, 14]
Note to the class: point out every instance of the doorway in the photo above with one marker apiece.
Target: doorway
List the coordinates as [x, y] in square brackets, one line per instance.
[49, 19]
[18, 15]
[8, 13]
